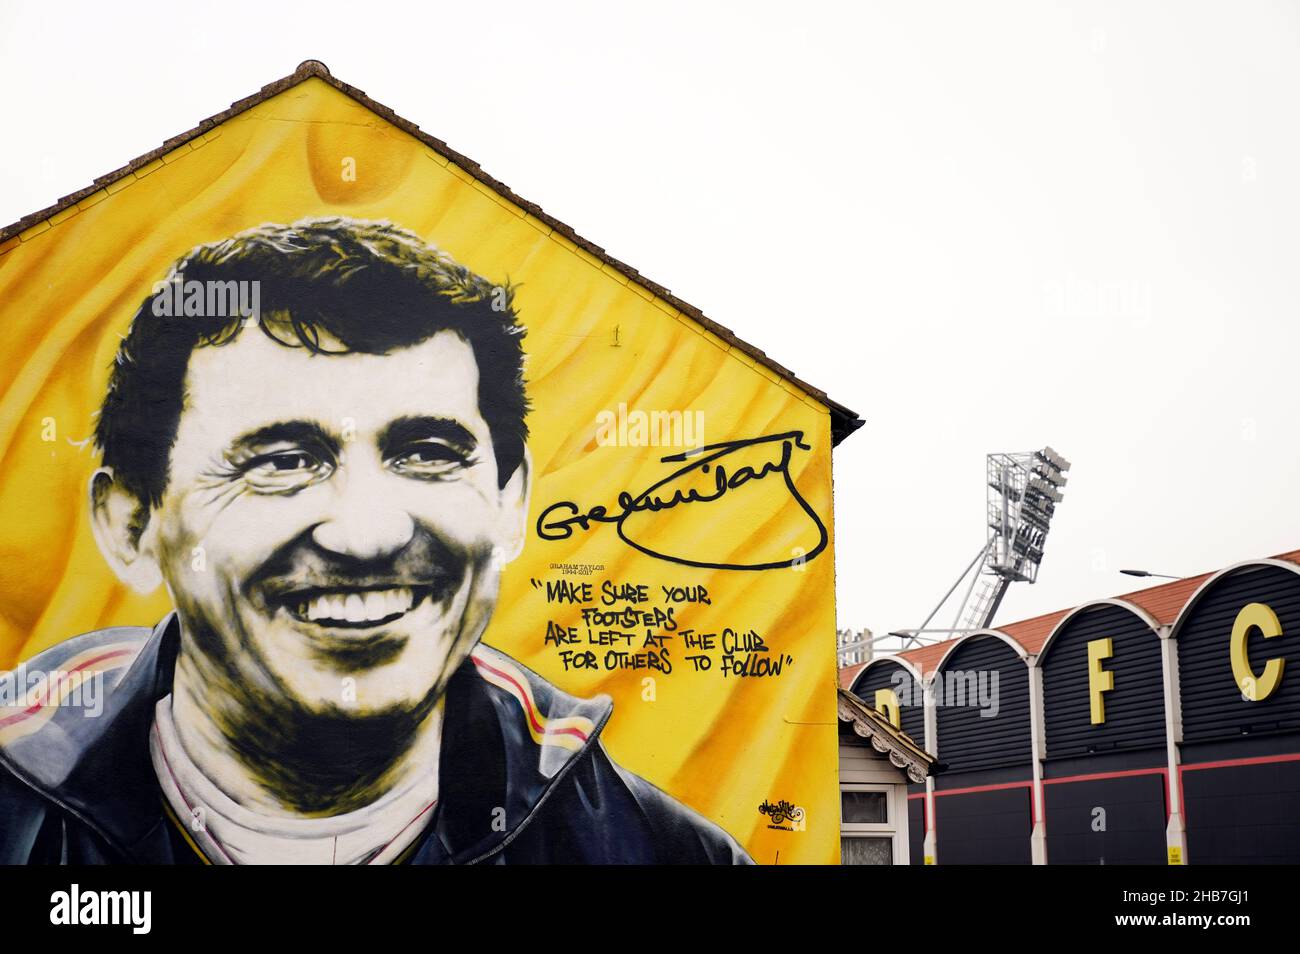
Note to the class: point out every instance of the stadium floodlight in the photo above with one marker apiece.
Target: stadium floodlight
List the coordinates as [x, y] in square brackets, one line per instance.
[1046, 489]
[1056, 460]
[1023, 493]
[1051, 466]
[1056, 478]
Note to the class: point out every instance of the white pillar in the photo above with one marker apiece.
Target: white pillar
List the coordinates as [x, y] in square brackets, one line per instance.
[1038, 745]
[1175, 832]
[929, 848]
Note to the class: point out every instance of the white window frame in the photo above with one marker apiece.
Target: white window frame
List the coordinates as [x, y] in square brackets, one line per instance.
[895, 809]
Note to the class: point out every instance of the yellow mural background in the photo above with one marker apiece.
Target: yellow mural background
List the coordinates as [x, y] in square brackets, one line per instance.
[69, 288]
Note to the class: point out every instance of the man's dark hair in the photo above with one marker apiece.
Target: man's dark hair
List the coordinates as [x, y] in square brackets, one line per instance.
[329, 285]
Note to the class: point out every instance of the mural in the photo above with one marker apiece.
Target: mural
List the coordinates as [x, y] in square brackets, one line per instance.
[397, 527]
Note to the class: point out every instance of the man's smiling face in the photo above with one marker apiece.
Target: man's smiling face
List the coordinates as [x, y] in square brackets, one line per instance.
[333, 527]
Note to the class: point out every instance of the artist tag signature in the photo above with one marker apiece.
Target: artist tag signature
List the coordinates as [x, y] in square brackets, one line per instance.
[780, 813]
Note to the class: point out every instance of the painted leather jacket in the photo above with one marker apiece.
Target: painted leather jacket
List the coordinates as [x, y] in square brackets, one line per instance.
[76, 789]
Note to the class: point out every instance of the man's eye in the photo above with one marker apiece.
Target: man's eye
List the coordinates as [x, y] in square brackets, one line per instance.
[283, 471]
[293, 461]
[428, 458]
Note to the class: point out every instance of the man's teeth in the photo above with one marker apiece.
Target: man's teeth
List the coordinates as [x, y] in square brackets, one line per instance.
[370, 606]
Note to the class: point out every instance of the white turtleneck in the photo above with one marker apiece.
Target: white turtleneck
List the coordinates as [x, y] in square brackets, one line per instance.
[229, 834]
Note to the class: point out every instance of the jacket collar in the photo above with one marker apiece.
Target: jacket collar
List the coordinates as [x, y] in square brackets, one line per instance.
[509, 737]
[111, 785]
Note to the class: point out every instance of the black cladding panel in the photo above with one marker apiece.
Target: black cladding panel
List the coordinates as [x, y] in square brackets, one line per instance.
[984, 828]
[1212, 703]
[1134, 707]
[1111, 821]
[972, 735]
[1243, 814]
[916, 830]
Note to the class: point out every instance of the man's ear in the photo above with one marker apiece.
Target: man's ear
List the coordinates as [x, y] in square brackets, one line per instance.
[512, 528]
[119, 521]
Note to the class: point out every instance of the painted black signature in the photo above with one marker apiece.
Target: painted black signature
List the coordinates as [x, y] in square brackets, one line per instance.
[557, 521]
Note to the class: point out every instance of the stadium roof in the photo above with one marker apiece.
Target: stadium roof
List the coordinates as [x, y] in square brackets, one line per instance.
[1163, 603]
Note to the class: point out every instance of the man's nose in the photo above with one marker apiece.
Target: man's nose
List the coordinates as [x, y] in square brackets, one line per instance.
[363, 522]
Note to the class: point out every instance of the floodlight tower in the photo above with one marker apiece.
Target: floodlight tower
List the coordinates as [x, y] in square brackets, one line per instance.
[1023, 493]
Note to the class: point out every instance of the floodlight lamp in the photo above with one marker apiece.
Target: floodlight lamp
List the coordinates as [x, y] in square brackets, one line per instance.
[1059, 462]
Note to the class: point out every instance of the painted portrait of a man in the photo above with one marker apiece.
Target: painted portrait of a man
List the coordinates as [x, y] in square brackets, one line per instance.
[315, 439]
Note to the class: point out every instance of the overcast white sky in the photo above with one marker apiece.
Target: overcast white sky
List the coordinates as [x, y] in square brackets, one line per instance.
[984, 227]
